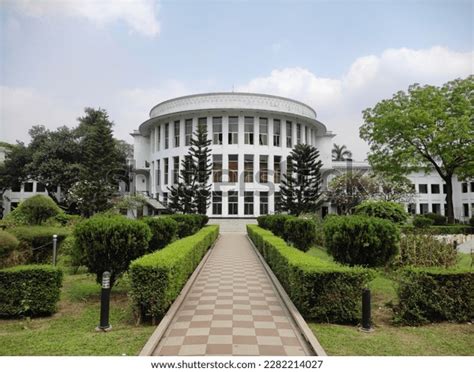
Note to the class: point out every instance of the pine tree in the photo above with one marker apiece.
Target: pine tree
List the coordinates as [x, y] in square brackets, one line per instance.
[300, 187]
[192, 194]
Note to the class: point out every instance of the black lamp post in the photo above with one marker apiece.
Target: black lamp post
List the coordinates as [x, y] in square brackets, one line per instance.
[105, 303]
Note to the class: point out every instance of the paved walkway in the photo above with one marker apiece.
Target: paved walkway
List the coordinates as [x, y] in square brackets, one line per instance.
[232, 309]
[232, 224]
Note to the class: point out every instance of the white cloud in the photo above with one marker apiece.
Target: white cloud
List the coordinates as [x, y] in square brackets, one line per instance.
[139, 15]
[369, 79]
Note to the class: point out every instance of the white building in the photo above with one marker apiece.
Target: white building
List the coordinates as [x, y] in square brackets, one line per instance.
[252, 135]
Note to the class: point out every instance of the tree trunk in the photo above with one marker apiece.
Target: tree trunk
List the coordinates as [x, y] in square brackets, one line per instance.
[449, 198]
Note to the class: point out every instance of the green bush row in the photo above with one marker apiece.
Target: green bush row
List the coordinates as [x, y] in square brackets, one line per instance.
[433, 295]
[163, 229]
[299, 231]
[29, 290]
[361, 240]
[8, 243]
[157, 278]
[189, 224]
[322, 291]
[439, 230]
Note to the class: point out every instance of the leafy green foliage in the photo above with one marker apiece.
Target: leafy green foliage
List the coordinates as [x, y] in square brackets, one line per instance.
[438, 230]
[301, 232]
[361, 240]
[420, 221]
[8, 243]
[387, 210]
[163, 229]
[424, 128]
[321, 290]
[36, 210]
[300, 186]
[188, 224]
[425, 250]
[437, 219]
[275, 223]
[29, 290]
[434, 295]
[13, 170]
[157, 278]
[110, 243]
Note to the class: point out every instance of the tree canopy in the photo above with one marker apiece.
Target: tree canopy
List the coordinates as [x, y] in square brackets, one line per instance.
[423, 129]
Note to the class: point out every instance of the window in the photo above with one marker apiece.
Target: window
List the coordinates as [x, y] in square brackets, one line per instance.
[188, 132]
[217, 131]
[166, 164]
[217, 202]
[167, 135]
[434, 189]
[298, 134]
[306, 130]
[412, 208]
[289, 134]
[40, 187]
[423, 208]
[233, 138]
[465, 208]
[202, 121]
[263, 132]
[165, 198]
[176, 133]
[233, 202]
[289, 166]
[263, 169]
[464, 187]
[276, 132]
[472, 186]
[277, 169]
[217, 168]
[423, 189]
[233, 168]
[16, 187]
[158, 173]
[277, 199]
[158, 141]
[436, 208]
[176, 169]
[444, 189]
[28, 187]
[248, 133]
[188, 166]
[263, 202]
[248, 202]
[248, 168]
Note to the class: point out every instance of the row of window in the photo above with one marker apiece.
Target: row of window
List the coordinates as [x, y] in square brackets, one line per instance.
[424, 208]
[249, 209]
[217, 169]
[302, 132]
[435, 188]
[29, 187]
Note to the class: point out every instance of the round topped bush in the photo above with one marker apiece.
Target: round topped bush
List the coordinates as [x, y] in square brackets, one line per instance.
[387, 210]
[35, 211]
[8, 243]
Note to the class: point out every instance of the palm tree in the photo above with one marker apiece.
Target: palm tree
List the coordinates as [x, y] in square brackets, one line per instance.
[340, 153]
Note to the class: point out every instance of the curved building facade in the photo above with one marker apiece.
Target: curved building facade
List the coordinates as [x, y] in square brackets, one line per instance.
[252, 136]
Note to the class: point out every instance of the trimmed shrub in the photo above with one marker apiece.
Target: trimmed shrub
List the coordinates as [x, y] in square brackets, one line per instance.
[426, 251]
[110, 243]
[36, 210]
[203, 219]
[163, 230]
[36, 241]
[420, 221]
[264, 221]
[322, 291]
[8, 243]
[275, 223]
[188, 224]
[439, 230]
[387, 210]
[29, 290]
[435, 295]
[361, 240]
[301, 232]
[157, 278]
[437, 219]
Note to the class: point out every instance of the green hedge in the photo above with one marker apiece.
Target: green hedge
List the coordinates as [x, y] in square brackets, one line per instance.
[322, 291]
[434, 295]
[29, 290]
[301, 232]
[361, 240]
[275, 223]
[163, 230]
[188, 224]
[157, 278]
[387, 210]
[8, 243]
[420, 221]
[440, 230]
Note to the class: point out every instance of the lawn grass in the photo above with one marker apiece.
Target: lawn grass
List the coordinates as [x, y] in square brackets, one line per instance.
[71, 331]
[389, 339]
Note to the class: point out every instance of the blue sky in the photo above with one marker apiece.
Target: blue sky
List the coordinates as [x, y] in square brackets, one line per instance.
[58, 57]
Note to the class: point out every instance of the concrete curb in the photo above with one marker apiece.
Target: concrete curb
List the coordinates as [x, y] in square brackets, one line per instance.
[160, 330]
[303, 327]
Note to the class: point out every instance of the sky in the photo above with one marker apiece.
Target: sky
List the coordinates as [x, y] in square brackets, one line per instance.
[340, 57]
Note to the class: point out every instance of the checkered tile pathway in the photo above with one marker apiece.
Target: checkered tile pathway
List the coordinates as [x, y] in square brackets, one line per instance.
[232, 309]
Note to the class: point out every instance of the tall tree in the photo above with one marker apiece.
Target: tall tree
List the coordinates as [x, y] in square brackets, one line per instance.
[300, 187]
[192, 193]
[12, 170]
[424, 129]
[340, 153]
